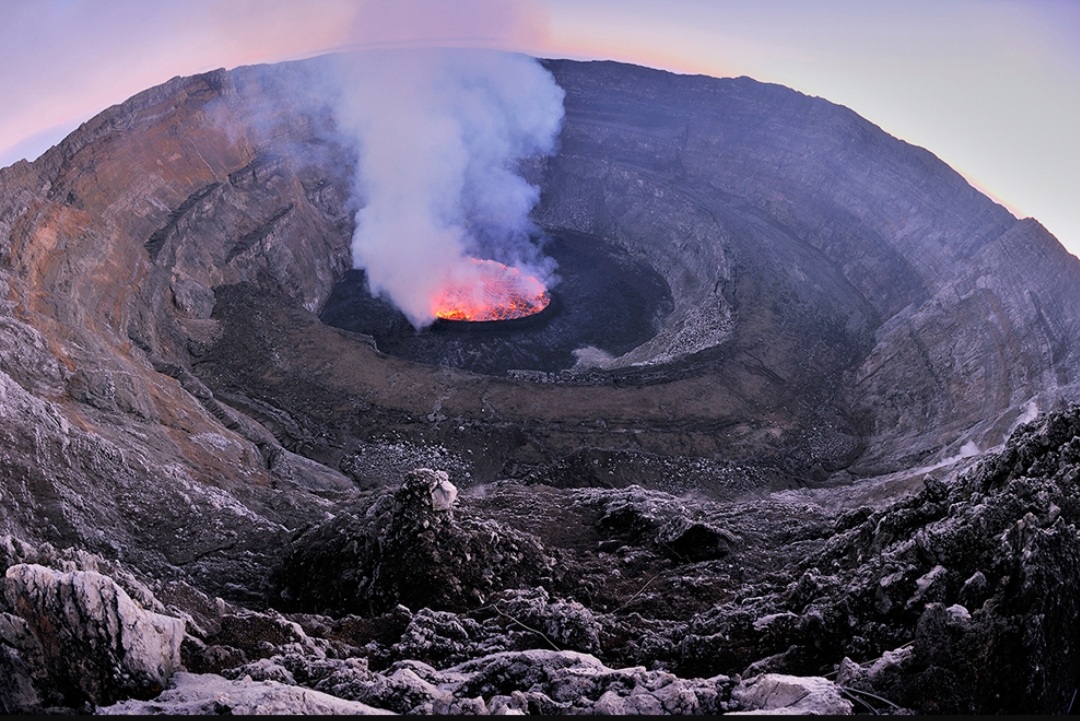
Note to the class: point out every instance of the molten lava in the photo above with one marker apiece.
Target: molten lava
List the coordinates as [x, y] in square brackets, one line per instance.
[489, 290]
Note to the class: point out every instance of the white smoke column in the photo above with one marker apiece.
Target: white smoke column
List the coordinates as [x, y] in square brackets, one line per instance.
[440, 133]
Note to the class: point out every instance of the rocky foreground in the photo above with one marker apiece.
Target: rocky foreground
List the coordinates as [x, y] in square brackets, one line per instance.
[528, 599]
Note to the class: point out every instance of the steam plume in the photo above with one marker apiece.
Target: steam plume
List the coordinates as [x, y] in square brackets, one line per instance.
[440, 133]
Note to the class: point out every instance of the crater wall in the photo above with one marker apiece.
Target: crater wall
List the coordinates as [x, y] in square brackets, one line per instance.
[842, 304]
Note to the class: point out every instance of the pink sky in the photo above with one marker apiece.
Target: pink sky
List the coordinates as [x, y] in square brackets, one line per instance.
[990, 86]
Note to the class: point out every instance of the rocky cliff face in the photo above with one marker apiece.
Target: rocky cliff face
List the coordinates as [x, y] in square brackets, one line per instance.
[826, 257]
[844, 313]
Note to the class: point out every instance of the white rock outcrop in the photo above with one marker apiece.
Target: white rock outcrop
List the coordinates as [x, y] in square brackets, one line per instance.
[200, 694]
[96, 642]
[775, 694]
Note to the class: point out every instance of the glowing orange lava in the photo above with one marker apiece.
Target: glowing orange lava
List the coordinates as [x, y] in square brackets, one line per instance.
[489, 290]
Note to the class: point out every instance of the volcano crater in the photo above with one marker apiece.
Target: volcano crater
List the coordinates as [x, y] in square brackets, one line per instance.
[604, 303]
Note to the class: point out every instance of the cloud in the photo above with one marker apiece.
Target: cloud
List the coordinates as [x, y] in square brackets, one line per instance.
[439, 133]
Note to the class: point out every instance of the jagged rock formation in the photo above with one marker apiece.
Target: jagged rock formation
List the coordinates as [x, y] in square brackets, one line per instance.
[843, 314]
[405, 548]
[946, 601]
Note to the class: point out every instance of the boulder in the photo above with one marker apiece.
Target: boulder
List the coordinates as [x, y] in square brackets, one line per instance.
[96, 644]
[407, 547]
[775, 693]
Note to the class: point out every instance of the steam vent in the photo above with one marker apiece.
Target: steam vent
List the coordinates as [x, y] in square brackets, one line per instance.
[788, 422]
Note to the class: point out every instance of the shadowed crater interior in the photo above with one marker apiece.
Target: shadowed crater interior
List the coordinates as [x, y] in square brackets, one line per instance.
[603, 298]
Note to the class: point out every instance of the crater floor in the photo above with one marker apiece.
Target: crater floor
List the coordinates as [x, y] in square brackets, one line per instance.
[602, 299]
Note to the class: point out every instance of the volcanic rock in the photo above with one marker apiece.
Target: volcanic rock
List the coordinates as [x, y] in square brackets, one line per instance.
[404, 548]
[206, 694]
[1010, 516]
[778, 694]
[96, 645]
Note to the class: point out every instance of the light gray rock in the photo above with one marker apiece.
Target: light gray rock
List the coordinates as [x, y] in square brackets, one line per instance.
[97, 644]
[774, 693]
[443, 493]
[195, 694]
[571, 682]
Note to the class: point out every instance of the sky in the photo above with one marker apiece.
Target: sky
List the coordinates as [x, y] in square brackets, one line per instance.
[992, 87]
